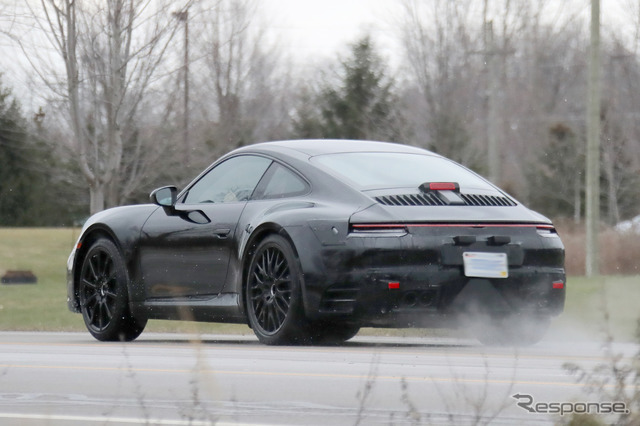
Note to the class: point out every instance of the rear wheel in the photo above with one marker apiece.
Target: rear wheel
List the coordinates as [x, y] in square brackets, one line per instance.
[333, 333]
[513, 330]
[274, 295]
[103, 293]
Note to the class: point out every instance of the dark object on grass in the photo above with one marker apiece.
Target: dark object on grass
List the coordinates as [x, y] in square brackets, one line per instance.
[19, 277]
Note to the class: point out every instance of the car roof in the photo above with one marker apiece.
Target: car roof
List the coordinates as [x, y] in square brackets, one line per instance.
[312, 147]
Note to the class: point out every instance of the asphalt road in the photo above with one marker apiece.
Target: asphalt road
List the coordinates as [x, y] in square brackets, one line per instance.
[173, 379]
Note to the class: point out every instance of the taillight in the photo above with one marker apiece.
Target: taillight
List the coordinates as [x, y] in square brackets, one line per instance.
[379, 229]
[547, 231]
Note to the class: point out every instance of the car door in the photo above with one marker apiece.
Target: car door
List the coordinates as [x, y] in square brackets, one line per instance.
[185, 253]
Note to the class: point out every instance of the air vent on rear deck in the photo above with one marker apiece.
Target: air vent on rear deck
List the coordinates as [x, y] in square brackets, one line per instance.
[430, 199]
[487, 200]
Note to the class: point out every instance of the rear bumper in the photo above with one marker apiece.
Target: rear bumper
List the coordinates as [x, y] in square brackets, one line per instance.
[423, 299]
[417, 279]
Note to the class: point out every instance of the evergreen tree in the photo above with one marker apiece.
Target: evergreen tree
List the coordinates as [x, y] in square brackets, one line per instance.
[16, 176]
[558, 178]
[361, 105]
[30, 192]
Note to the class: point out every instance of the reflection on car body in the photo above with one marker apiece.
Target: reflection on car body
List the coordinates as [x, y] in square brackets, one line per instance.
[307, 241]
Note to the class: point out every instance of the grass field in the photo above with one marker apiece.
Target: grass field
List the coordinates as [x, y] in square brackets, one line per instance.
[43, 306]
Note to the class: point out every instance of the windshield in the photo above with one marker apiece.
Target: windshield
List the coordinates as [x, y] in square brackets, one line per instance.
[376, 170]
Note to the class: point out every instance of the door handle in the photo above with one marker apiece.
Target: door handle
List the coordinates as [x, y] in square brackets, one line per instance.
[222, 232]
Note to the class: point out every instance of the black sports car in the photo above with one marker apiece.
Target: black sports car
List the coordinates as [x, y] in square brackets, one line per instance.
[307, 241]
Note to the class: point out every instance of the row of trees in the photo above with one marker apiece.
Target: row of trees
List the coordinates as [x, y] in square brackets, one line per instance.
[141, 93]
[33, 191]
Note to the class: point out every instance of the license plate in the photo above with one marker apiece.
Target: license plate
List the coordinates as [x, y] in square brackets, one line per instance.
[485, 265]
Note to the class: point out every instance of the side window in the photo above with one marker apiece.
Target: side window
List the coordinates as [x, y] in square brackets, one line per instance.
[231, 181]
[284, 183]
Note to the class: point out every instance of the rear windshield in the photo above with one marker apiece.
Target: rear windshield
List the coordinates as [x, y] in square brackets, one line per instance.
[378, 170]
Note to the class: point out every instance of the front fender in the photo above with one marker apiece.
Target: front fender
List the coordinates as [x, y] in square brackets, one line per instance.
[122, 225]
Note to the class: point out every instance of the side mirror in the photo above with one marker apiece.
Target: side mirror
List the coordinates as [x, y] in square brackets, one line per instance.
[165, 196]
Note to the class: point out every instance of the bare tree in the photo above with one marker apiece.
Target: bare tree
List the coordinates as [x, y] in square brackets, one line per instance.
[502, 70]
[242, 90]
[593, 146]
[438, 40]
[111, 52]
[544, 80]
[620, 129]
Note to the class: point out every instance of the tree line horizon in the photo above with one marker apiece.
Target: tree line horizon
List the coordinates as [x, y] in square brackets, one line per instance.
[137, 99]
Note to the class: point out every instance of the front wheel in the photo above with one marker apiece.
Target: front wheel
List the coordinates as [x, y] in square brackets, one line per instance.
[274, 294]
[103, 294]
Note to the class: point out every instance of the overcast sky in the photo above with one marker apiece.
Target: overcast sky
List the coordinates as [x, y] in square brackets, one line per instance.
[307, 31]
[311, 31]
[311, 28]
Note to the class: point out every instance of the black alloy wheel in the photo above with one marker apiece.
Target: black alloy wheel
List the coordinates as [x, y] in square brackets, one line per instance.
[331, 333]
[103, 295]
[273, 294]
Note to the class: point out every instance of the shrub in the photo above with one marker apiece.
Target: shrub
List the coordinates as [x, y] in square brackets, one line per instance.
[619, 251]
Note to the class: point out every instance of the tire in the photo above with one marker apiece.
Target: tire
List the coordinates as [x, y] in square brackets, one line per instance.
[103, 293]
[514, 330]
[333, 333]
[273, 294]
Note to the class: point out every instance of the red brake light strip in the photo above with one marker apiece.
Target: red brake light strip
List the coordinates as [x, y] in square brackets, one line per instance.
[450, 225]
[442, 186]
